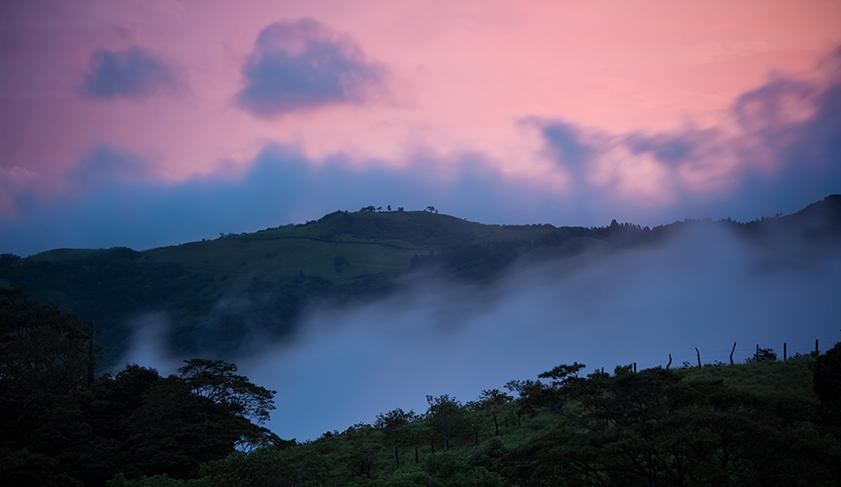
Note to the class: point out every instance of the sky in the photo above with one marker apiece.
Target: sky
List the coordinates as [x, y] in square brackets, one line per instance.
[149, 123]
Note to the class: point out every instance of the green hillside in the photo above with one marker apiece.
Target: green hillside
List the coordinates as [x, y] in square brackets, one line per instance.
[278, 270]
[275, 274]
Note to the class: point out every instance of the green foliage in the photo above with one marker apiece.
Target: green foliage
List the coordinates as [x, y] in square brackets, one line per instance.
[763, 355]
[563, 374]
[694, 427]
[62, 428]
[761, 423]
[448, 419]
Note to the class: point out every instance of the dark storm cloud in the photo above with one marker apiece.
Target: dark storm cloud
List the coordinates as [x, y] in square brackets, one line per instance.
[130, 73]
[303, 64]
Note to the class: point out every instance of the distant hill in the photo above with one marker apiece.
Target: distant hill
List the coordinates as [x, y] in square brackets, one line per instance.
[216, 291]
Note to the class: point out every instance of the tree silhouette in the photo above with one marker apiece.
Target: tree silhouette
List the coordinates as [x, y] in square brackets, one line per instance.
[394, 425]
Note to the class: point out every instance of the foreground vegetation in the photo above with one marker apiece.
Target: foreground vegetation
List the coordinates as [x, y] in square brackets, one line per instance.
[762, 423]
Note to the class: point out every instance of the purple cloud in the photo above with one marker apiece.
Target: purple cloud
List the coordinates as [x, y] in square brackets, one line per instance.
[784, 149]
[303, 64]
[130, 73]
[106, 164]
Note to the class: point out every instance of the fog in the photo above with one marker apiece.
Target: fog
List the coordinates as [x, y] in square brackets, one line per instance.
[702, 288]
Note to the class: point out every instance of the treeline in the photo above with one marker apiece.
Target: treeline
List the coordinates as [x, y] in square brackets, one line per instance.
[767, 422]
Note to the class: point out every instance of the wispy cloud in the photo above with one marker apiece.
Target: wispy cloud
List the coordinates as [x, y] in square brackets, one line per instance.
[130, 73]
[107, 165]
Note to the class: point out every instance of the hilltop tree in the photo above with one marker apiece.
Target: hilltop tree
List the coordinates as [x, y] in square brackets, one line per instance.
[763, 355]
[364, 447]
[562, 374]
[218, 381]
[394, 425]
[447, 417]
[492, 400]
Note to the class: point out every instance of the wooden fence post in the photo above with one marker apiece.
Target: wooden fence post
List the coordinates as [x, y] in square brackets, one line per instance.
[756, 355]
[698, 353]
[785, 351]
[635, 367]
[670, 362]
[731, 353]
[817, 347]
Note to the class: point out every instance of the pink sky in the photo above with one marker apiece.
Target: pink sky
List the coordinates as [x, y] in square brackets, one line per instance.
[460, 78]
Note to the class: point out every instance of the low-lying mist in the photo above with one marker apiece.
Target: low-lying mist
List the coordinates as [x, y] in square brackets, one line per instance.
[704, 287]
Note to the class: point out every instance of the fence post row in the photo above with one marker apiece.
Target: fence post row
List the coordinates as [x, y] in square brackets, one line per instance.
[732, 351]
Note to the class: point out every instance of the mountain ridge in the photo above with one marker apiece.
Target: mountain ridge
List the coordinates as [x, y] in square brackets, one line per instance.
[218, 291]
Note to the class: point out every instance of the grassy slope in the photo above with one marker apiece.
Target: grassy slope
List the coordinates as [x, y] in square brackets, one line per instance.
[791, 378]
[370, 242]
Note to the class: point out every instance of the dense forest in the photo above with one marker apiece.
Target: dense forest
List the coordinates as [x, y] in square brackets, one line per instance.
[765, 422]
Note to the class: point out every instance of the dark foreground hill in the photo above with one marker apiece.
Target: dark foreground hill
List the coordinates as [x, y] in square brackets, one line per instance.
[215, 292]
[765, 422]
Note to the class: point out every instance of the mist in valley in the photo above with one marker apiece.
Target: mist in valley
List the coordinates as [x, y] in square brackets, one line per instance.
[704, 287]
